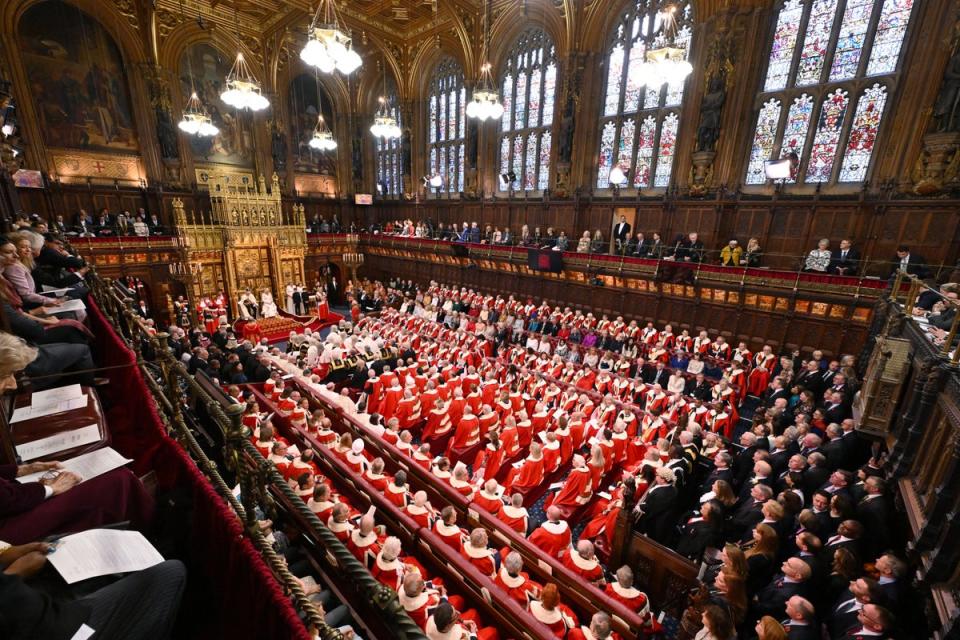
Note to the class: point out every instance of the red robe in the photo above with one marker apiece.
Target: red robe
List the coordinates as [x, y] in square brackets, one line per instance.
[560, 620]
[396, 495]
[552, 537]
[438, 425]
[633, 599]
[521, 588]
[387, 573]
[489, 459]
[451, 534]
[516, 519]
[364, 549]
[589, 570]
[466, 435]
[528, 475]
[482, 559]
[488, 502]
[576, 490]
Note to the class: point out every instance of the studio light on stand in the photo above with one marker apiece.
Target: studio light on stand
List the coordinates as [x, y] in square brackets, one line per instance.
[618, 178]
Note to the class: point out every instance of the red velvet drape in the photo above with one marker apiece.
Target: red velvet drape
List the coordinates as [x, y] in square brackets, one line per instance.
[251, 602]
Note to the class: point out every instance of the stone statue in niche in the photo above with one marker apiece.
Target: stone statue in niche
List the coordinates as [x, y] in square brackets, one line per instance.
[406, 163]
[357, 155]
[472, 132]
[946, 110]
[567, 124]
[166, 134]
[711, 108]
[278, 147]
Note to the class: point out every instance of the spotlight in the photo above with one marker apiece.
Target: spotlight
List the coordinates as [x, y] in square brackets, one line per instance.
[436, 181]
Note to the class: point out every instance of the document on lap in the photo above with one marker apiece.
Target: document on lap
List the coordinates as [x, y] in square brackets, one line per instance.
[67, 307]
[87, 466]
[47, 409]
[58, 442]
[101, 552]
[53, 396]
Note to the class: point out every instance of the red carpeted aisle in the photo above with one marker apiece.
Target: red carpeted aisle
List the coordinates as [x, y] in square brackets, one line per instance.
[278, 328]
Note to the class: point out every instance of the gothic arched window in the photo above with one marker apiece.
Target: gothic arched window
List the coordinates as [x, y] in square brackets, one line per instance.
[528, 88]
[389, 167]
[831, 69]
[447, 124]
[638, 124]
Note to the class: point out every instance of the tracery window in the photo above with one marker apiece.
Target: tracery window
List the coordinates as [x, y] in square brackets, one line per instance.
[639, 124]
[831, 69]
[528, 89]
[447, 125]
[389, 167]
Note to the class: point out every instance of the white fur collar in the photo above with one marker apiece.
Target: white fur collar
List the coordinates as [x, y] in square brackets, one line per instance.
[544, 616]
[582, 563]
[556, 528]
[473, 552]
[363, 540]
[514, 512]
[510, 581]
[448, 530]
[625, 592]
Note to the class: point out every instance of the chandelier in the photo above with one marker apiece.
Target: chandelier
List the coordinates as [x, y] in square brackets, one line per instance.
[243, 90]
[322, 139]
[485, 102]
[196, 121]
[328, 48]
[666, 63]
[384, 125]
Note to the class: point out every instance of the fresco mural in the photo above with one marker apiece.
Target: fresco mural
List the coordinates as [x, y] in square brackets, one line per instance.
[234, 144]
[303, 119]
[77, 79]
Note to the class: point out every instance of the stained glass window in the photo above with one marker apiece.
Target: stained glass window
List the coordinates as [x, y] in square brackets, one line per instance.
[447, 125]
[863, 133]
[639, 125]
[545, 142]
[389, 171]
[815, 100]
[529, 85]
[763, 140]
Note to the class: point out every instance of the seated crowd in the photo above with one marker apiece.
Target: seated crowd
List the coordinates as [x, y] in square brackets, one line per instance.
[103, 225]
[41, 348]
[500, 399]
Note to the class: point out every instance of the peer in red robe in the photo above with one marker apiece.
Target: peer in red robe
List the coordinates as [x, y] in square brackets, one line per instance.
[553, 536]
[588, 567]
[479, 555]
[515, 516]
[529, 473]
[488, 498]
[577, 488]
[519, 586]
[548, 610]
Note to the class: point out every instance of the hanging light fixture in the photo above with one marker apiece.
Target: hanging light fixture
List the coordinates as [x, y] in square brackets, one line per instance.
[666, 63]
[385, 125]
[242, 88]
[328, 48]
[195, 120]
[485, 103]
[243, 91]
[322, 139]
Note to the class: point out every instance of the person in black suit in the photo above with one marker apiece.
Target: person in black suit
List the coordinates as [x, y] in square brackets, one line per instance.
[820, 508]
[659, 375]
[874, 623]
[839, 483]
[845, 260]
[639, 246]
[772, 599]
[835, 410]
[848, 536]
[801, 622]
[762, 474]
[699, 388]
[748, 513]
[911, 263]
[621, 233]
[811, 378]
[836, 449]
[775, 392]
[657, 507]
[141, 606]
[721, 471]
[844, 612]
[743, 461]
[892, 572]
[701, 531]
[873, 512]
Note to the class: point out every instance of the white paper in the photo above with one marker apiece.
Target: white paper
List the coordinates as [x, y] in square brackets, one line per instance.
[83, 633]
[58, 442]
[50, 291]
[39, 411]
[67, 307]
[101, 552]
[87, 466]
[293, 450]
[53, 396]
